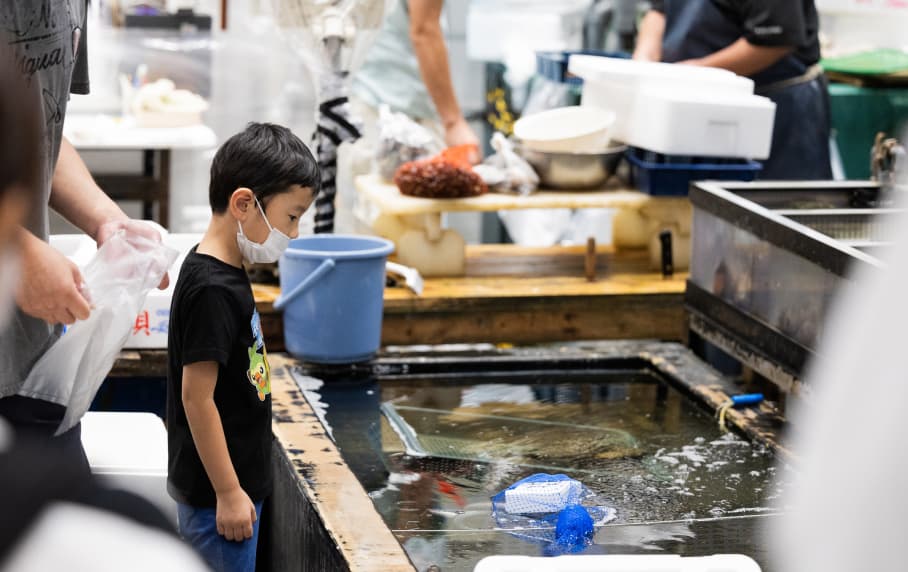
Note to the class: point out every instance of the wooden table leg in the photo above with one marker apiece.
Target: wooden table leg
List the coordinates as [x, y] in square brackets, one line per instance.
[148, 173]
[164, 192]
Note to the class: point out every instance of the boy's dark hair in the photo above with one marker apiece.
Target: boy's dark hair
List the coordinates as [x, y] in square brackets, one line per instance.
[21, 158]
[264, 157]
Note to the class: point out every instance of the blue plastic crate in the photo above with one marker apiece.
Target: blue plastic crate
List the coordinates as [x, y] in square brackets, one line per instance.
[670, 175]
[553, 65]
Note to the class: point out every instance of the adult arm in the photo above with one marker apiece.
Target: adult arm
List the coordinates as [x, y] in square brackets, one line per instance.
[76, 196]
[743, 57]
[649, 38]
[432, 55]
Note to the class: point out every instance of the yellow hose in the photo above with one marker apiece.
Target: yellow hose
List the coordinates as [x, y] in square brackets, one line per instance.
[721, 415]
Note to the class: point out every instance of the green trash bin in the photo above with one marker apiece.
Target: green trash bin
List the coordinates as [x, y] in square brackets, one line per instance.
[858, 114]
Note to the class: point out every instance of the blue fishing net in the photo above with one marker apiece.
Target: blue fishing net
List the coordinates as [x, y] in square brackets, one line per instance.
[553, 510]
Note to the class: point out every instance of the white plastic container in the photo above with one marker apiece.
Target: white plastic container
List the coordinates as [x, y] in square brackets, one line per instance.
[129, 451]
[676, 109]
[566, 130]
[619, 563]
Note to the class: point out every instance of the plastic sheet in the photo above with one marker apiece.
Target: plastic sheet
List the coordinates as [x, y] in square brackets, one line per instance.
[117, 280]
[506, 171]
[401, 140]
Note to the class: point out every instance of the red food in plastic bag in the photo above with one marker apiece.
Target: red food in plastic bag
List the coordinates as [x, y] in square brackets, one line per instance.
[448, 175]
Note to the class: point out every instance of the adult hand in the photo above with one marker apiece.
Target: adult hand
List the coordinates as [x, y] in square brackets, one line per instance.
[235, 515]
[141, 228]
[50, 285]
[460, 133]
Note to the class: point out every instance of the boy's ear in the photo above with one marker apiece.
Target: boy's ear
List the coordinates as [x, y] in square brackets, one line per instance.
[242, 203]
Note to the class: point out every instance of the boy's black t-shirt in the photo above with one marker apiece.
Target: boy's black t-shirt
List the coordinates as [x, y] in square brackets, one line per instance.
[213, 318]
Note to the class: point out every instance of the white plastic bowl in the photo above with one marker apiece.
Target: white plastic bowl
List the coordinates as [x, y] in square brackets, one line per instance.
[566, 130]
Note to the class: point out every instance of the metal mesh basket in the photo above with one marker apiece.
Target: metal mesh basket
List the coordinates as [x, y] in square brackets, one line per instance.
[528, 443]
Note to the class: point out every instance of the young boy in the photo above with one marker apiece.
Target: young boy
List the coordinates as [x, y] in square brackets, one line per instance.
[219, 402]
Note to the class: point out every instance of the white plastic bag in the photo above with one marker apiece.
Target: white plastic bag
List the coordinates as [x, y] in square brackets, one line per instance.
[401, 140]
[506, 171]
[536, 227]
[117, 280]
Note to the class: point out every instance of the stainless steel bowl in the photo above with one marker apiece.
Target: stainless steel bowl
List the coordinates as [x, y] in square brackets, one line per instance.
[574, 171]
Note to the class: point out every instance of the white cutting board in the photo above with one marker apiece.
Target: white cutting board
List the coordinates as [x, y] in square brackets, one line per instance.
[387, 198]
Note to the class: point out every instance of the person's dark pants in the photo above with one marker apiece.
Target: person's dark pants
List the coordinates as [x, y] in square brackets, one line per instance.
[36, 421]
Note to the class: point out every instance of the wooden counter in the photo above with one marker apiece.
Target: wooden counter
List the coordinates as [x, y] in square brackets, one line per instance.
[526, 295]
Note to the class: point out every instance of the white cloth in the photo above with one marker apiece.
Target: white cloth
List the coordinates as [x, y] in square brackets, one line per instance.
[73, 537]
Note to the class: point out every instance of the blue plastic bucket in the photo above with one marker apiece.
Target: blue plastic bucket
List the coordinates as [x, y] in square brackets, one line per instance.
[332, 294]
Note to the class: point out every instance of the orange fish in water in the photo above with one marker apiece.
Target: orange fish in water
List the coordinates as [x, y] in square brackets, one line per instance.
[449, 490]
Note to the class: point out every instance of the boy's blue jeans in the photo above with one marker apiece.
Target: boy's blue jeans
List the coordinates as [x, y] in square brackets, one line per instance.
[198, 527]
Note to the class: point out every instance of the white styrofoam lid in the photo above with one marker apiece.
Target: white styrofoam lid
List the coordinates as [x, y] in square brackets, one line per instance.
[597, 68]
[124, 442]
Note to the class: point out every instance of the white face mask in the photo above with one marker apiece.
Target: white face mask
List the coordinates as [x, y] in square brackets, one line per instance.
[9, 281]
[266, 252]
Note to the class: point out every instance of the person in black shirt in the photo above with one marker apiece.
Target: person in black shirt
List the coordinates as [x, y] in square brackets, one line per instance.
[774, 42]
[219, 404]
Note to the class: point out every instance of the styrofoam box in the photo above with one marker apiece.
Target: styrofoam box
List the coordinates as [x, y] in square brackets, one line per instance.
[678, 110]
[151, 325]
[541, 497]
[129, 451]
[705, 125]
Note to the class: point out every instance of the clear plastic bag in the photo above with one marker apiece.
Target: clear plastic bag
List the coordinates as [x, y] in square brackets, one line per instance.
[505, 170]
[117, 280]
[536, 227]
[546, 94]
[401, 140]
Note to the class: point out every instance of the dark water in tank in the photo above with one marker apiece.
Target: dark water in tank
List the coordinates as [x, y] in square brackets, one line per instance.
[431, 453]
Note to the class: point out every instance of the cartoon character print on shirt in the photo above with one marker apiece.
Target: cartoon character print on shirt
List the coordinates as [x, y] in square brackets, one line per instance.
[259, 373]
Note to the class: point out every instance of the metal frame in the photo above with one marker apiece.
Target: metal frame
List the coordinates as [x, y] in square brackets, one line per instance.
[730, 201]
[757, 345]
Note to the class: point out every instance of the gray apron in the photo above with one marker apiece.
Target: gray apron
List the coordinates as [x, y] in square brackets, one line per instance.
[800, 141]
